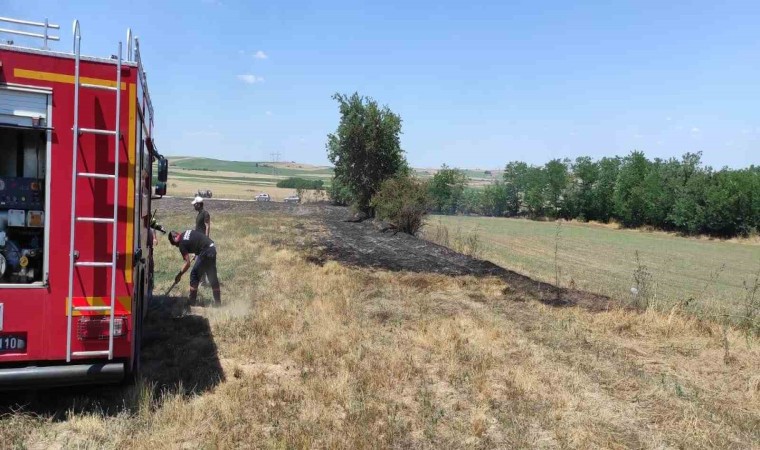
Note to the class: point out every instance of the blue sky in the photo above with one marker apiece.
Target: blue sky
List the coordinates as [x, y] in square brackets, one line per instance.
[477, 84]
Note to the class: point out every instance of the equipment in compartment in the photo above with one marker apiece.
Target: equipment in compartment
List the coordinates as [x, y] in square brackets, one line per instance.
[21, 193]
[21, 255]
[21, 230]
[21, 245]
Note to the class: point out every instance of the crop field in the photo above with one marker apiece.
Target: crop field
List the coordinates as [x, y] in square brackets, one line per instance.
[238, 179]
[285, 169]
[706, 275]
[314, 352]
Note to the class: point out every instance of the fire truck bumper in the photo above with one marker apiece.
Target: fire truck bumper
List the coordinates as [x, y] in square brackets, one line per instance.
[49, 376]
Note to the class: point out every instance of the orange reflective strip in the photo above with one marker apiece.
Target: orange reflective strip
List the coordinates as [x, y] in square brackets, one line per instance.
[123, 305]
[63, 78]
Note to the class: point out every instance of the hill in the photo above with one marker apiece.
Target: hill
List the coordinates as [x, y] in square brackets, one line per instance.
[209, 164]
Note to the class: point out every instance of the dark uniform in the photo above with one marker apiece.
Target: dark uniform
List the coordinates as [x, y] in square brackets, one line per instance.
[200, 220]
[198, 243]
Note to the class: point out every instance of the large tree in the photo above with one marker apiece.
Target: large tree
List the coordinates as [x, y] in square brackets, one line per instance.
[365, 149]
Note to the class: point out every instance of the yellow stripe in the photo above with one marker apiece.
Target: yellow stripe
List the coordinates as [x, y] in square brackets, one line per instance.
[63, 78]
[124, 301]
[132, 154]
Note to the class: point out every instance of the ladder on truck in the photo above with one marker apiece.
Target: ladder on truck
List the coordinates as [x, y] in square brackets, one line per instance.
[113, 220]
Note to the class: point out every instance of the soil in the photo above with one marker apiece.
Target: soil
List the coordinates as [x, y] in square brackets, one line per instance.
[363, 244]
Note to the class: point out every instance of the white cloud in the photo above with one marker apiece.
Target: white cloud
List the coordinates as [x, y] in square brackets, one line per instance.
[668, 118]
[695, 130]
[260, 55]
[268, 113]
[250, 78]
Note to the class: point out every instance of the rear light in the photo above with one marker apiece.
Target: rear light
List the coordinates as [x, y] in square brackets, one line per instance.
[97, 327]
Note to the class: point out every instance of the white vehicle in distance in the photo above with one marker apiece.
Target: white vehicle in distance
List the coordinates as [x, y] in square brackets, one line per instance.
[263, 197]
[292, 199]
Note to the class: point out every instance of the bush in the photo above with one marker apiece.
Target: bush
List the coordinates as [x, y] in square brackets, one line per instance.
[404, 202]
[300, 183]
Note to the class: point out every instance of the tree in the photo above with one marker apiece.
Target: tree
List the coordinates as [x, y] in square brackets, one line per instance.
[604, 189]
[446, 189]
[514, 186]
[365, 149]
[534, 197]
[494, 199]
[339, 194]
[630, 202]
[580, 203]
[471, 202]
[556, 183]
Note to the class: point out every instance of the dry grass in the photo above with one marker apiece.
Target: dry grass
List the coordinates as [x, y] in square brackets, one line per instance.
[706, 277]
[225, 189]
[336, 357]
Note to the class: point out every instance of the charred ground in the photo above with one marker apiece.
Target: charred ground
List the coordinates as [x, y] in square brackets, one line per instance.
[362, 244]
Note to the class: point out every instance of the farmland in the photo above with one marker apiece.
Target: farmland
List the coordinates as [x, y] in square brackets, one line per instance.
[237, 179]
[320, 344]
[709, 275]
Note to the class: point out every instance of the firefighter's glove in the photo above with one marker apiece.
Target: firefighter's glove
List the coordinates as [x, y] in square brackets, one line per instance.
[178, 277]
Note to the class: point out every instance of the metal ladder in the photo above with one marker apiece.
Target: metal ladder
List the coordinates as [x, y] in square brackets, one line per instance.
[75, 175]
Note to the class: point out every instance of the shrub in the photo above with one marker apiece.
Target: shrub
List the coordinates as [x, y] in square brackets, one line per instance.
[404, 202]
[300, 183]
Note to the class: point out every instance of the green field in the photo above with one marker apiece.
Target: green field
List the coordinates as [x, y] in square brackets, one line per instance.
[603, 260]
[193, 163]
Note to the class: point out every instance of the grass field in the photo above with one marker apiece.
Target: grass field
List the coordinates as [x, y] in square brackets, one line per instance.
[603, 260]
[304, 355]
[238, 179]
[284, 169]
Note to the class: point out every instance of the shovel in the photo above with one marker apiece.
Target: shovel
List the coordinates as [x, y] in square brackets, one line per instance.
[177, 282]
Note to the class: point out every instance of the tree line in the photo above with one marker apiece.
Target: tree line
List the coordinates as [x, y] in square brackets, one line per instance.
[680, 195]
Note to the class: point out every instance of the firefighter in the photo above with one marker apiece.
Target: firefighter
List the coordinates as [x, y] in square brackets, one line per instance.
[192, 241]
[203, 219]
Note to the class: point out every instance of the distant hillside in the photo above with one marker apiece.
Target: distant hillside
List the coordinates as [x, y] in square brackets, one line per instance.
[293, 169]
[218, 165]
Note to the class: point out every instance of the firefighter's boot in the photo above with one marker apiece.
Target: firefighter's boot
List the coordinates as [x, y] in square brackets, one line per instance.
[193, 297]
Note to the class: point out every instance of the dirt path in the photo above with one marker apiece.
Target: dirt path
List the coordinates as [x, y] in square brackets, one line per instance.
[362, 244]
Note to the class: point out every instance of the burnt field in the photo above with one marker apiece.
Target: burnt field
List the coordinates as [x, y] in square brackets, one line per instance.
[335, 237]
[337, 335]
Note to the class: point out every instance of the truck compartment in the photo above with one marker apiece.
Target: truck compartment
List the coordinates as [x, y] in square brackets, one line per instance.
[23, 168]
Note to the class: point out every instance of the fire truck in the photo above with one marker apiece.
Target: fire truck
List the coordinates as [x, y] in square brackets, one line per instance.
[77, 161]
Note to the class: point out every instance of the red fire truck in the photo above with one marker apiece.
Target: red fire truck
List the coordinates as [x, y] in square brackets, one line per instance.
[76, 184]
